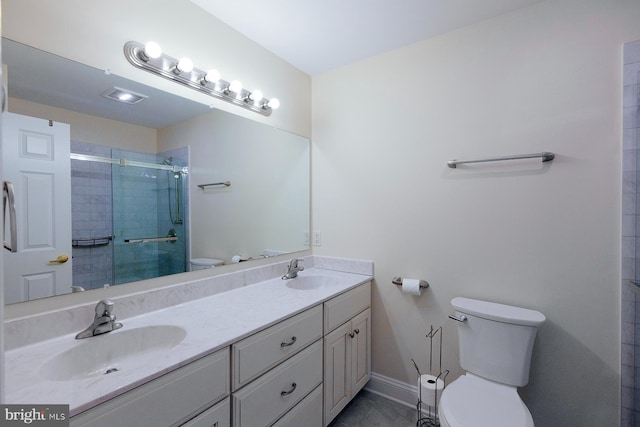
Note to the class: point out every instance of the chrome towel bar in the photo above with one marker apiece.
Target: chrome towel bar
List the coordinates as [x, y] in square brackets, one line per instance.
[152, 239]
[545, 155]
[8, 196]
[213, 184]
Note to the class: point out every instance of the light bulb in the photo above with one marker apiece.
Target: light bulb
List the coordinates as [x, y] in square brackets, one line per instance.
[274, 103]
[256, 96]
[185, 65]
[235, 86]
[212, 76]
[152, 50]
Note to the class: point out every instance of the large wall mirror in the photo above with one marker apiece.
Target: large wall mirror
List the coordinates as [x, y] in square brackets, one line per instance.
[158, 187]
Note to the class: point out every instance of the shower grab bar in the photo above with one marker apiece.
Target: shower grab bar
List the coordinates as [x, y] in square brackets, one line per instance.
[545, 155]
[152, 239]
[91, 243]
[125, 162]
[225, 183]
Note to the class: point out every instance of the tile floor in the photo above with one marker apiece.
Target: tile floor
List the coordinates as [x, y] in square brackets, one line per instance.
[371, 410]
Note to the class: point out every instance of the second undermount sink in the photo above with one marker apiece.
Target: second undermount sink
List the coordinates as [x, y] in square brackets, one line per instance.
[125, 349]
[303, 283]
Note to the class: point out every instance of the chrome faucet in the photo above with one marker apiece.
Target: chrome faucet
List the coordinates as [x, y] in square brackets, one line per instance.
[103, 322]
[293, 269]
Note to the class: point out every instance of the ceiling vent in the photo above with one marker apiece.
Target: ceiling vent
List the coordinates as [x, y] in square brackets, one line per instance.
[123, 95]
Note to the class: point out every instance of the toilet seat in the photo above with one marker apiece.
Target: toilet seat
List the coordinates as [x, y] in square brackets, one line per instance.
[474, 401]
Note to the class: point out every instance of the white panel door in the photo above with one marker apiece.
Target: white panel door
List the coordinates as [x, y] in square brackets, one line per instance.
[35, 158]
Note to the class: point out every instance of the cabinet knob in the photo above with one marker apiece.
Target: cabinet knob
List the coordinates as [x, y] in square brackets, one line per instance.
[287, 344]
[351, 334]
[357, 331]
[286, 392]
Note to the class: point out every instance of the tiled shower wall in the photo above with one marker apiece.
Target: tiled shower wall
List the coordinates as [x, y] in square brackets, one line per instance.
[630, 315]
[91, 216]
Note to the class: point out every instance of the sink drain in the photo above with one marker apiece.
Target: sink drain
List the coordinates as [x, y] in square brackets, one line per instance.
[110, 371]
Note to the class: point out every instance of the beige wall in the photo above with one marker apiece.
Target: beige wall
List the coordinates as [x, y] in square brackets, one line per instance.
[547, 78]
[94, 32]
[92, 129]
[267, 167]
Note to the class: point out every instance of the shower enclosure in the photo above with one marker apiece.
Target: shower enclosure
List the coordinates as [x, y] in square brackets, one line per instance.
[129, 224]
[630, 286]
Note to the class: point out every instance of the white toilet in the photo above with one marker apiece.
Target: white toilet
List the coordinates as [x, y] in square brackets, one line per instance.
[496, 342]
[204, 263]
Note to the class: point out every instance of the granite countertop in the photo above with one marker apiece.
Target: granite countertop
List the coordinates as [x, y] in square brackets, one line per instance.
[211, 323]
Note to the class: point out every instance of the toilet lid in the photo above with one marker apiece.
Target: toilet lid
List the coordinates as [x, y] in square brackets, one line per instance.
[474, 401]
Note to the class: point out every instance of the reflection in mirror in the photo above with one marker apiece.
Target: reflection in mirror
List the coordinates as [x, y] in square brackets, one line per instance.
[133, 223]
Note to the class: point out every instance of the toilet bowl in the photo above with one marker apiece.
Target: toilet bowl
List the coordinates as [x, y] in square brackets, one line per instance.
[496, 343]
[474, 401]
[204, 263]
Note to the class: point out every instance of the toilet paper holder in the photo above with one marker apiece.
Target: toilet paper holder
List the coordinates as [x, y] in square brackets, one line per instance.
[398, 281]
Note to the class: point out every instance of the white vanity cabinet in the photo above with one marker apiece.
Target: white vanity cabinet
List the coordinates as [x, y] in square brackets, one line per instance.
[188, 394]
[275, 369]
[300, 371]
[347, 348]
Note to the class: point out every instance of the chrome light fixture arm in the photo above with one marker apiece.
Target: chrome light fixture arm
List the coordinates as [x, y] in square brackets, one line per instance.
[165, 66]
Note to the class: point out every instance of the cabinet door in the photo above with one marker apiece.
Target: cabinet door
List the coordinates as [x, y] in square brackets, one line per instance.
[216, 416]
[337, 371]
[361, 353]
[307, 413]
[165, 401]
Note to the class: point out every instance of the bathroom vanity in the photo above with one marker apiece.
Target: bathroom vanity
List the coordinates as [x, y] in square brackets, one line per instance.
[276, 352]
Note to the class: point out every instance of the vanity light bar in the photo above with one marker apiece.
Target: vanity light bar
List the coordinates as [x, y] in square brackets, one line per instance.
[150, 58]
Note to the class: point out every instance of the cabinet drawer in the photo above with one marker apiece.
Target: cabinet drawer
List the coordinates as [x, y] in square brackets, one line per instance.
[266, 399]
[260, 352]
[307, 413]
[165, 401]
[343, 307]
[216, 416]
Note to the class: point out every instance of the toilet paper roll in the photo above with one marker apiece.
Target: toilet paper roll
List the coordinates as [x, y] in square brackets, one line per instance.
[411, 286]
[431, 388]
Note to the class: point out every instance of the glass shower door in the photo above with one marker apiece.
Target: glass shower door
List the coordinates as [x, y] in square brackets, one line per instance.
[148, 225]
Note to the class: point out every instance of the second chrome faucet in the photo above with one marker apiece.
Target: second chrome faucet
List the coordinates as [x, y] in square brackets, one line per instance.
[295, 266]
[103, 322]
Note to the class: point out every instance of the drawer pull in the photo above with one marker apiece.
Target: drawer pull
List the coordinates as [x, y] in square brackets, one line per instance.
[287, 344]
[293, 387]
[357, 331]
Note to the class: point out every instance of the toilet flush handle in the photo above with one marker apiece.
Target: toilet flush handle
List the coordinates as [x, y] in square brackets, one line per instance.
[458, 318]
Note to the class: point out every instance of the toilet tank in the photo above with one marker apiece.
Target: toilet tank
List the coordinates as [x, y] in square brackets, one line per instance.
[496, 340]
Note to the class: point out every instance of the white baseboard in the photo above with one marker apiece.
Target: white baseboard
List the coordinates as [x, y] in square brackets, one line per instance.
[397, 391]
[403, 393]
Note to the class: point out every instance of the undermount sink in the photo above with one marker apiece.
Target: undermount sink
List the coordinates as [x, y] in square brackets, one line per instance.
[305, 283]
[109, 353]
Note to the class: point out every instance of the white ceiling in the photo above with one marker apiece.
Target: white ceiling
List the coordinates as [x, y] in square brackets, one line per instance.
[42, 77]
[319, 35]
